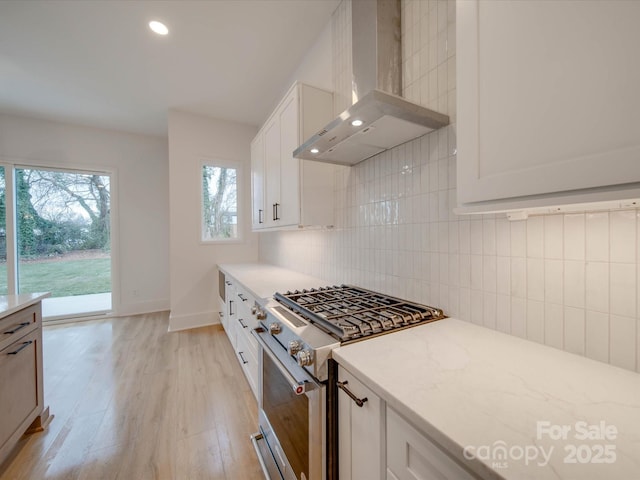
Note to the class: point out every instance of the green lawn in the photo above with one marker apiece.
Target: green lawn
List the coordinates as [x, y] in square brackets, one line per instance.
[63, 278]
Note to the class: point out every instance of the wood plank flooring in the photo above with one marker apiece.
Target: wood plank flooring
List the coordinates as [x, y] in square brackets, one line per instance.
[132, 401]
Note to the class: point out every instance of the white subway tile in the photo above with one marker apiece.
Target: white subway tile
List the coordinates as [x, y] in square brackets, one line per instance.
[489, 273]
[623, 289]
[454, 301]
[597, 286]
[574, 283]
[443, 237]
[623, 236]
[444, 268]
[465, 270]
[554, 325]
[574, 236]
[553, 236]
[597, 234]
[623, 341]
[535, 279]
[464, 227]
[503, 237]
[464, 307]
[477, 308]
[574, 330]
[490, 310]
[519, 317]
[443, 174]
[476, 236]
[503, 313]
[597, 336]
[476, 272]
[489, 236]
[535, 237]
[454, 237]
[553, 281]
[443, 205]
[518, 277]
[454, 269]
[519, 238]
[535, 321]
[503, 275]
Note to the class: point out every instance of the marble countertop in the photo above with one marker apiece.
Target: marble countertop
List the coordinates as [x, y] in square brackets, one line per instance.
[12, 303]
[506, 407]
[263, 280]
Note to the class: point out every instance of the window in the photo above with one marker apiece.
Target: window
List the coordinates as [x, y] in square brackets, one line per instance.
[219, 203]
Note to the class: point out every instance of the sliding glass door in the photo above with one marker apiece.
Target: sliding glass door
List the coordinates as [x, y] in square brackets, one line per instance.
[62, 239]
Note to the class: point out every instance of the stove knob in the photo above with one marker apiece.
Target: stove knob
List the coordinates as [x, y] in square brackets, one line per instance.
[295, 346]
[305, 358]
[275, 328]
[254, 310]
[261, 314]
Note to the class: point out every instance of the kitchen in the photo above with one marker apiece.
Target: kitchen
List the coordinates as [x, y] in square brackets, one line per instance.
[565, 278]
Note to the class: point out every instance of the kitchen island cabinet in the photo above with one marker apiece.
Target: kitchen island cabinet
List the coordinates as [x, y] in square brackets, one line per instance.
[21, 385]
[463, 398]
[548, 108]
[287, 192]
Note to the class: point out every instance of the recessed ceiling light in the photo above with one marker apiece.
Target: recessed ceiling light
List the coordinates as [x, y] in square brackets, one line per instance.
[314, 150]
[357, 123]
[158, 27]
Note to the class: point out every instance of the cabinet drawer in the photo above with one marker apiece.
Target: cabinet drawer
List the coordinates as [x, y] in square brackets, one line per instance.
[249, 362]
[412, 456]
[19, 381]
[18, 324]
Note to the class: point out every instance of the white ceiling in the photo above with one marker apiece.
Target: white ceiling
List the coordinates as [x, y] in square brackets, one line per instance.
[97, 63]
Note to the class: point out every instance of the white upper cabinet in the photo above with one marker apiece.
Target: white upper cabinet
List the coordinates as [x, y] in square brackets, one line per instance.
[288, 192]
[257, 182]
[548, 103]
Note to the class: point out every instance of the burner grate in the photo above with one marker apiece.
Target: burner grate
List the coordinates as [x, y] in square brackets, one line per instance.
[351, 313]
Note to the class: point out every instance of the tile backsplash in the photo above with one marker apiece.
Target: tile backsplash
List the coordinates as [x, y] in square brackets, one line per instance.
[568, 280]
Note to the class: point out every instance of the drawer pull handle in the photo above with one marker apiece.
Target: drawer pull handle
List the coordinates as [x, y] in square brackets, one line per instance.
[242, 297]
[19, 327]
[358, 401]
[22, 347]
[244, 362]
[242, 323]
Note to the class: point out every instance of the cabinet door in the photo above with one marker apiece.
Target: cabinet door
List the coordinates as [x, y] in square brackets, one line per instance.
[547, 101]
[289, 210]
[361, 432]
[257, 182]
[231, 311]
[19, 380]
[412, 456]
[272, 169]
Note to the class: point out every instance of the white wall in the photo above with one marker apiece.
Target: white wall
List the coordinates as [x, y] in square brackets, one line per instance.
[568, 281]
[194, 278]
[140, 166]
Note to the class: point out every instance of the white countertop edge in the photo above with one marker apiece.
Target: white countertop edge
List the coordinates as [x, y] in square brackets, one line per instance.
[13, 303]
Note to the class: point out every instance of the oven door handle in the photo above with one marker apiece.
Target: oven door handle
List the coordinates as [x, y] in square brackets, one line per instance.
[298, 387]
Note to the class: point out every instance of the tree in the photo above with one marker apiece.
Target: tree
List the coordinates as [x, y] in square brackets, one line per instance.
[73, 209]
[219, 201]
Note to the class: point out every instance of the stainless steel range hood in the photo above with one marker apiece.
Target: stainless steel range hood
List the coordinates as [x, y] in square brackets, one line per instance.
[387, 118]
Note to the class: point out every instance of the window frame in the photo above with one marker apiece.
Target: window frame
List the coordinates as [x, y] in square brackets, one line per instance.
[222, 163]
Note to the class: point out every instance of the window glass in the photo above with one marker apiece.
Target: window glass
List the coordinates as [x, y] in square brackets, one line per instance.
[219, 203]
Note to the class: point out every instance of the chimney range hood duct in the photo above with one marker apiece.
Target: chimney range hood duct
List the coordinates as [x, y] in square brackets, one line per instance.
[387, 118]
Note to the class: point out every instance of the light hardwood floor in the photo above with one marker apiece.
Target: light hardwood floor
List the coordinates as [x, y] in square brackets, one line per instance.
[132, 401]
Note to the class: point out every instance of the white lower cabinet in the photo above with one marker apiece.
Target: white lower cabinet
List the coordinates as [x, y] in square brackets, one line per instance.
[412, 456]
[361, 431]
[238, 322]
[376, 443]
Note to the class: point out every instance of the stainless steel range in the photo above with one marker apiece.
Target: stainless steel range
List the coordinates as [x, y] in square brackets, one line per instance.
[298, 393]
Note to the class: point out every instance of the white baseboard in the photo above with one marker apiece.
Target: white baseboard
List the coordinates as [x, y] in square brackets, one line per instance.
[139, 308]
[193, 320]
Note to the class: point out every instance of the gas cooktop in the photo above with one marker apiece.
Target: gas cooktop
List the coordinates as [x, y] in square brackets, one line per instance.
[351, 313]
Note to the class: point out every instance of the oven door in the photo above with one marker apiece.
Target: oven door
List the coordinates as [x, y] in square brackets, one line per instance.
[291, 412]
